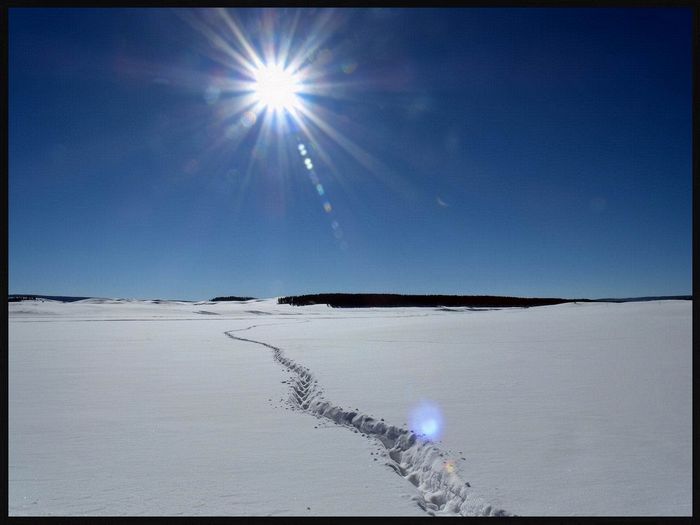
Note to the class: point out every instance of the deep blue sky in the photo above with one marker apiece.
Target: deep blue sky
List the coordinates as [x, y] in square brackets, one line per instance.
[538, 152]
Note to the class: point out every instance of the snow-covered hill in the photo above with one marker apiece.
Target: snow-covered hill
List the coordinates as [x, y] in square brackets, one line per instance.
[254, 408]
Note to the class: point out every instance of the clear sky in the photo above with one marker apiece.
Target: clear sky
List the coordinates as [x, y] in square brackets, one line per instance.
[530, 152]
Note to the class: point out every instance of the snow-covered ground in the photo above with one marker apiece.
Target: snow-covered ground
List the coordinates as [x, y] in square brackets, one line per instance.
[166, 408]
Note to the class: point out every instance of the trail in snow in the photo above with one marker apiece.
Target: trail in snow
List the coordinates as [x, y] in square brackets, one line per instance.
[441, 491]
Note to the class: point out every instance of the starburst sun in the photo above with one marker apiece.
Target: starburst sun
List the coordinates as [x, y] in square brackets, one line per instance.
[276, 87]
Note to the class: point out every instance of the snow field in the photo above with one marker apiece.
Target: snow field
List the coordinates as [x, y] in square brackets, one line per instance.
[173, 418]
[578, 409]
[143, 407]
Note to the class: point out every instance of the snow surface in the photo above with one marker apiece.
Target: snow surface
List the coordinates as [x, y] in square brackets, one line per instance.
[166, 408]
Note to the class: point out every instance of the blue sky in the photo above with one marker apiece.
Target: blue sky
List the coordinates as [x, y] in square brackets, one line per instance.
[530, 152]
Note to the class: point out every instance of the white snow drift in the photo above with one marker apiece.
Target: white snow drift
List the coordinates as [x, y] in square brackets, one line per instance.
[146, 407]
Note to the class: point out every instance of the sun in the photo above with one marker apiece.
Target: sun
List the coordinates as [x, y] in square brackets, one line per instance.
[276, 87]
[281, 89]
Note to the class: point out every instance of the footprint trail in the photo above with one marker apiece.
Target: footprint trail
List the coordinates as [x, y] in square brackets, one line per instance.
[441, 491]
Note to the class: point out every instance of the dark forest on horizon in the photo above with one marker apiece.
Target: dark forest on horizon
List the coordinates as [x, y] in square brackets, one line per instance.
[365, 300]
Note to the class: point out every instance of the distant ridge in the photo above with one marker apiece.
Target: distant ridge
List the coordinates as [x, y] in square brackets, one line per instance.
[14, 298]
[233, 298]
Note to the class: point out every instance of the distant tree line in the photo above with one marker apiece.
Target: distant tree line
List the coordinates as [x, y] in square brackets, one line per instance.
[642, 299]
[15, 298]
[18, 298]
[365, 300]
[232, 298]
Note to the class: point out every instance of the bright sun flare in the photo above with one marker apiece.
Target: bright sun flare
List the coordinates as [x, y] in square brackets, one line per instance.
[286, 90]
[276, 87]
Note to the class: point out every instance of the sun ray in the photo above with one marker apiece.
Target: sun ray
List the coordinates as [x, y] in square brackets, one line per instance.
[312, 138]
[318, 34]
[364, 158]
[218, 42]
[255, 61]
[286, 44]
[349, 189]
[321, 117]
[237, 107]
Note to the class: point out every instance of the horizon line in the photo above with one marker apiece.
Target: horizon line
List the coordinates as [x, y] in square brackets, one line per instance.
[605, 298]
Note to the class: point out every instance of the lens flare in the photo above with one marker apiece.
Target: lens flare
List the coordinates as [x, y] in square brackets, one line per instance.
[426, 419]
[248, 119]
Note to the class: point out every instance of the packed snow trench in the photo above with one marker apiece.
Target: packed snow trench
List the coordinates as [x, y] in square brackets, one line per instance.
[440, 489]
[128, 407]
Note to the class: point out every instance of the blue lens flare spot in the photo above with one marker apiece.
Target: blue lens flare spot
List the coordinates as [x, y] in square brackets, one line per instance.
[426, 419]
